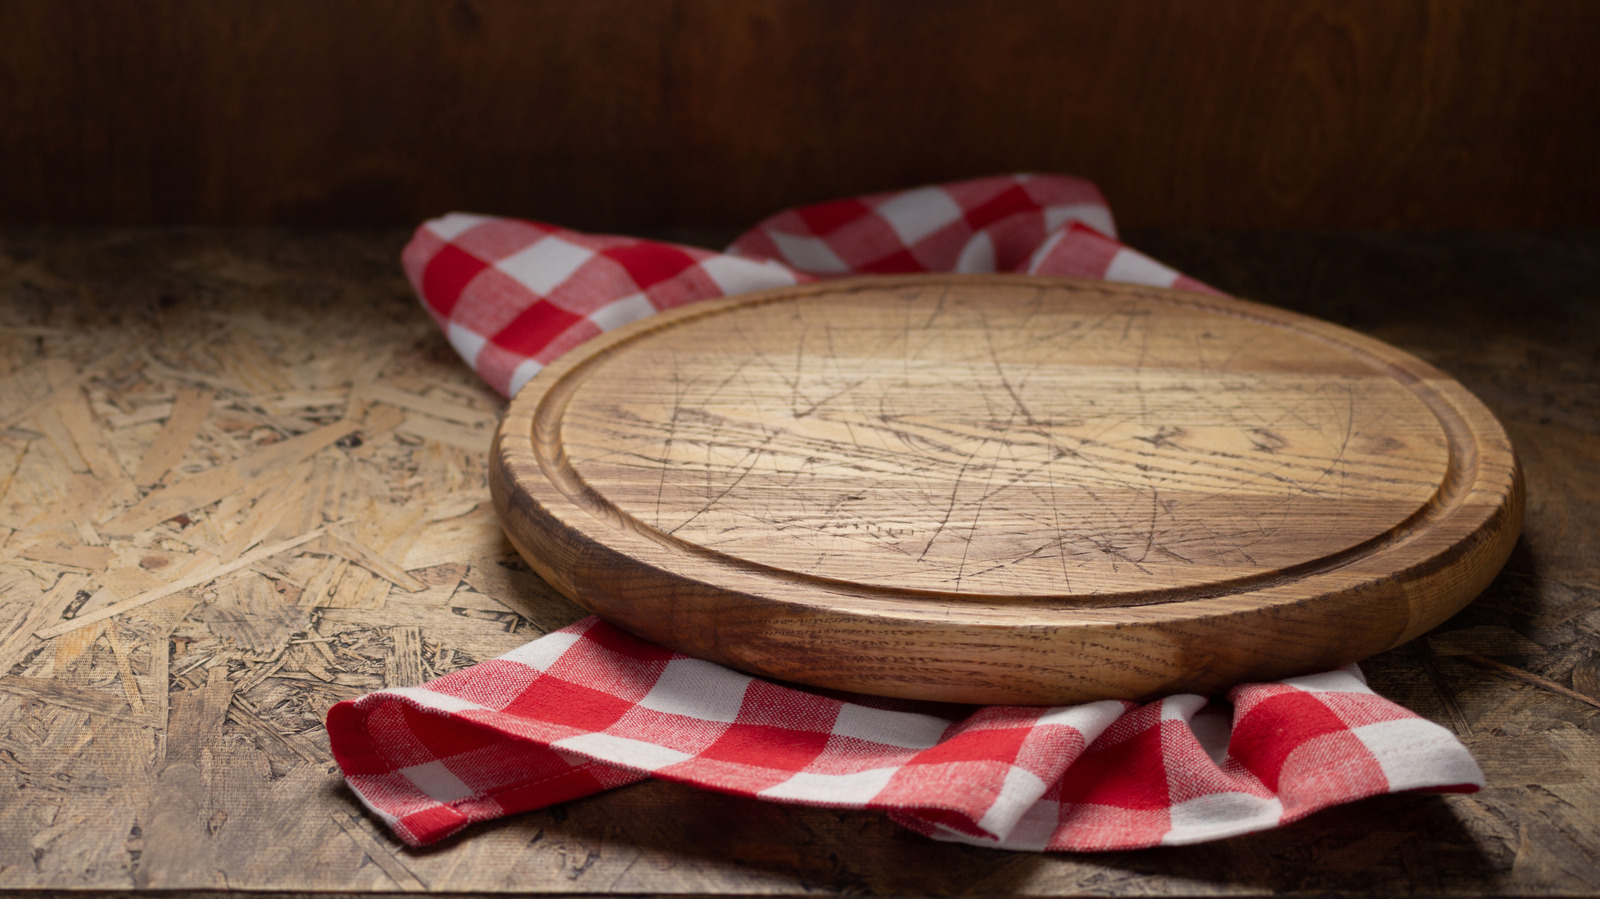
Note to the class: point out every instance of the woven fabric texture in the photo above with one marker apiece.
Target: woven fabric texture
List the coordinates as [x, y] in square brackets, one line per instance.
[590, 708]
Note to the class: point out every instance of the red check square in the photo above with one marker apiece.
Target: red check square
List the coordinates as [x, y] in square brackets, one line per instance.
[447, 274]
[767, 746]
[561, 702]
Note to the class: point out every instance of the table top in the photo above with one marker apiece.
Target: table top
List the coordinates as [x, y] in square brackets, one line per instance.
[243, 477]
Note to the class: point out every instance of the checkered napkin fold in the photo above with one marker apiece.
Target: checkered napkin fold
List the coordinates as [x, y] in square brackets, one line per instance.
[590, 707]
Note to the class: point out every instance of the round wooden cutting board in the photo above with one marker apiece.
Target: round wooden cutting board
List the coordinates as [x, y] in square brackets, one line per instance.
[1001, 489]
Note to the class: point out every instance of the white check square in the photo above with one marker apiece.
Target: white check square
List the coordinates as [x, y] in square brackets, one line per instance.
[734, 275]
[453, 225]
[437, 702]
[544, 265]
[1413, 752]
[1132, 267]
[466, 341]
[851, 789]
[1020, 792]
[698, 689]
[904, 729]
[524, 373]
[977, 257]
[622, 751]
[545, 651]
[809, 254]
[438, 782]
[617, 313]
[1221, 814]
[1092, 214]
[917, 213]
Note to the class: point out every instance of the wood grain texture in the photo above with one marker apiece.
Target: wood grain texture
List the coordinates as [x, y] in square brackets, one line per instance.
[123, 773]
[999, 489]
[624, 115]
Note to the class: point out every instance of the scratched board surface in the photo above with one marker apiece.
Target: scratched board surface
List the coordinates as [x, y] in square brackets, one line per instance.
[985, 448]
[975, 442]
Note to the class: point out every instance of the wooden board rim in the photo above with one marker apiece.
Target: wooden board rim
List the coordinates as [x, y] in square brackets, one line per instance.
[565, 530]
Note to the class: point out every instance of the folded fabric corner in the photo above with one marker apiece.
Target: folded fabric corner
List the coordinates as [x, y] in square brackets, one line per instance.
[589, 708]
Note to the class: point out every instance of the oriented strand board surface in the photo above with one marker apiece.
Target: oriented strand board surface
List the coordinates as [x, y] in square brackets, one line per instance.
[1002, 490]
[242, 477]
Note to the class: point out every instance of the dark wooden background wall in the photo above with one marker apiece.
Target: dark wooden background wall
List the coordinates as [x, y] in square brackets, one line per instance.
[651, 114]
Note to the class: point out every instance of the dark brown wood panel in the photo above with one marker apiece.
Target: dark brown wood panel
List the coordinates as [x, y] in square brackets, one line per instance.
[648, 114]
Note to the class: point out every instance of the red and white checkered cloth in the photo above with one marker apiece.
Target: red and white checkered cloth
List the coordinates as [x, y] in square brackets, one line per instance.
[589, 707]
[513, 295]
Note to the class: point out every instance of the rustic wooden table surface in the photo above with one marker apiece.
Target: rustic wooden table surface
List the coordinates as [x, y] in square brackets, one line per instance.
[242, 478]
